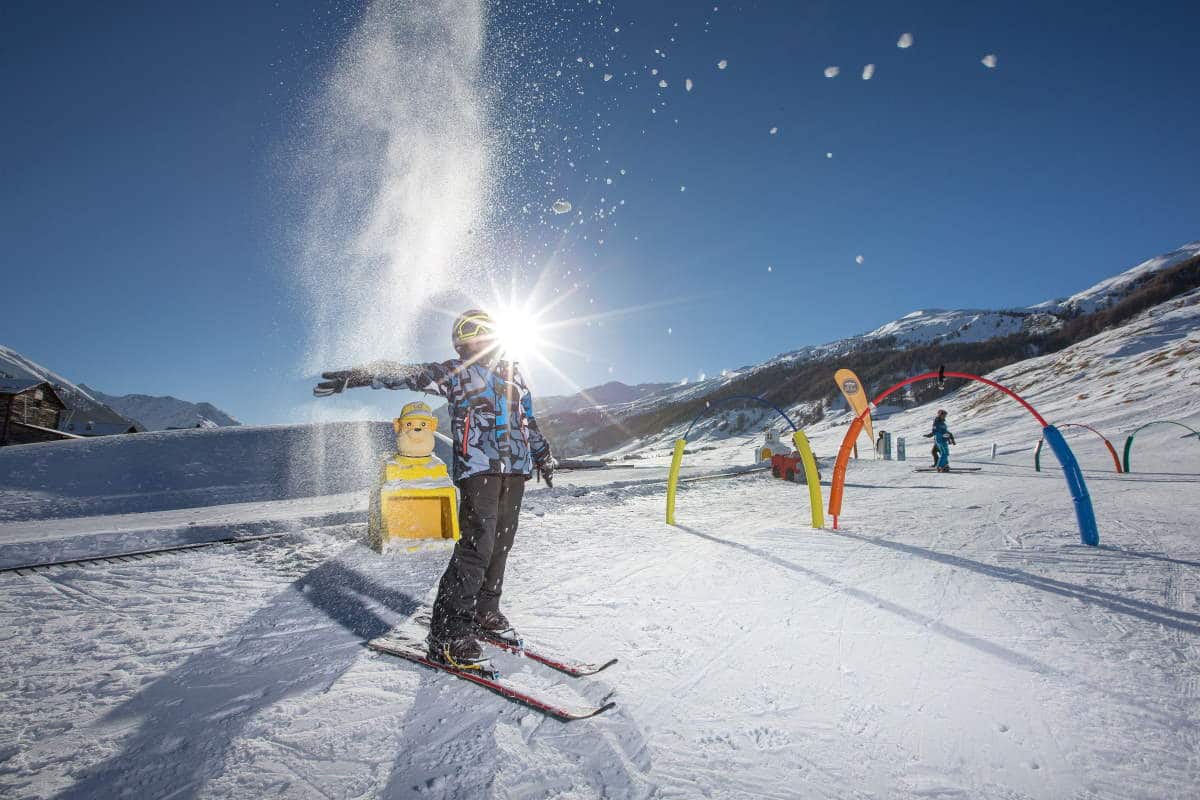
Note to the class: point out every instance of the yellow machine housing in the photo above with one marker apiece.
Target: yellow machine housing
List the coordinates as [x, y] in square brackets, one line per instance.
[413, 500]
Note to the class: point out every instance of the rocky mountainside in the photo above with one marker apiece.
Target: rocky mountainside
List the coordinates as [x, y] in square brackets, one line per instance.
[92, 412]
[970, 340]
[85, 414]
[162, 413]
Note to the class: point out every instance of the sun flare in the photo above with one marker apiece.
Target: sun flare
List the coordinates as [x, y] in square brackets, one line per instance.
[517, 334]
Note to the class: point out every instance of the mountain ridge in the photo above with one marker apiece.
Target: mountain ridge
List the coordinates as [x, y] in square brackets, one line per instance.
[800, 379]
[92, 412]
[163, 412]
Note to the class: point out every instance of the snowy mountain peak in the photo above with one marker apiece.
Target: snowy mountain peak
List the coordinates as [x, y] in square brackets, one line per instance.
[92, 411]
[161, 413]
[1109, 290]
[85, 412]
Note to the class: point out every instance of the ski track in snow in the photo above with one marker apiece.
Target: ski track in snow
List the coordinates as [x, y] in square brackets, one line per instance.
[953, 640]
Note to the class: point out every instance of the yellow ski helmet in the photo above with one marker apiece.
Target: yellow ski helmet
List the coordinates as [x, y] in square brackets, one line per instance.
[473, 328]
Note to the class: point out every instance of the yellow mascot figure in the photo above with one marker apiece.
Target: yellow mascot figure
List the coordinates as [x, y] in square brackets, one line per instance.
[414, 498]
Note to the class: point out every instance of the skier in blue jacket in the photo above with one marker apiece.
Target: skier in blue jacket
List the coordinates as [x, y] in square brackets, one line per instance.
[497, 445]
[942, 439]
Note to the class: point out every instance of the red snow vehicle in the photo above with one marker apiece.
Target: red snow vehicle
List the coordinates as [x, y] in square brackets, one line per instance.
[787, 466]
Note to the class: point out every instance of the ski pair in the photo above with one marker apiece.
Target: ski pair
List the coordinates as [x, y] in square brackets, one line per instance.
[414, 650]
[952, 469]
[509, 642]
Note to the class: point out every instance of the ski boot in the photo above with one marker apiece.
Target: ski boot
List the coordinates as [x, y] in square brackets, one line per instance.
[460, 652]
[494, 625]
[492, 622]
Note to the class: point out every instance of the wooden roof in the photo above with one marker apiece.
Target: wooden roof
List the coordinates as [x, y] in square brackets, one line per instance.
[15, 386]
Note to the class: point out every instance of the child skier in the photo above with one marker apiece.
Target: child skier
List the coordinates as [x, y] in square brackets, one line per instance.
[497, 445]
[942, 439]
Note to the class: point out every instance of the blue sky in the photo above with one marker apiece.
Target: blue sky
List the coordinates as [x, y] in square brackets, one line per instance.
[147, 221]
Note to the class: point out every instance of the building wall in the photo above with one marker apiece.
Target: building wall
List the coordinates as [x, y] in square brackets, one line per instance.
[19, 434]
[33, 407]
[28, 408]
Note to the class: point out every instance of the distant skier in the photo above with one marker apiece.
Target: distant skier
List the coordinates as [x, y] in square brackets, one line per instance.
[942, 439]
[497, 445]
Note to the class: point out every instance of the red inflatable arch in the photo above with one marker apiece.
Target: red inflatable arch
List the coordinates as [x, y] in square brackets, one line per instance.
[1112, 451]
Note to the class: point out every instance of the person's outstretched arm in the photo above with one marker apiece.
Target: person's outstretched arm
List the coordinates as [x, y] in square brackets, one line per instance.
[428, 378]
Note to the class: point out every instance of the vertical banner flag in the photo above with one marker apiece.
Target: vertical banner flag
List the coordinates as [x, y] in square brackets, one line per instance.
[856, 396]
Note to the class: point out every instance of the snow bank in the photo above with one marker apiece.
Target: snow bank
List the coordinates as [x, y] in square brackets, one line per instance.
[180, 469]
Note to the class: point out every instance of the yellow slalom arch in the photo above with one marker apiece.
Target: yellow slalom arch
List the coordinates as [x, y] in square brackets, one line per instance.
[806, 458]
[673, 479]
[810, 475]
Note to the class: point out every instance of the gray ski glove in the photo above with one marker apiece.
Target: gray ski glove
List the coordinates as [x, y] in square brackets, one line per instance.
[545, 470]
[376, 374]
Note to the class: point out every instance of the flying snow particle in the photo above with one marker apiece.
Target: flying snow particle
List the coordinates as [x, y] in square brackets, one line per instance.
[608, 181]
[654, 71]
[669, 331]
[561, 206]
[774, 130]
[662, 84]
[858, 259]
[607, 77]
[989, 61]
[832, 72]
[687, 84]
[683, 188]
[622, 172]
[905, 42]
[722, 64]
[868, 72]
[770, 268]
[829, 155]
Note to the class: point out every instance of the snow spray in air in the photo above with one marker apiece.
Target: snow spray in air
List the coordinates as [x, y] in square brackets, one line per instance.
[394, 179]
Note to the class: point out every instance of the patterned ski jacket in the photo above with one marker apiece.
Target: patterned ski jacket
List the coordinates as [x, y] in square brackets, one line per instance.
[491, 415]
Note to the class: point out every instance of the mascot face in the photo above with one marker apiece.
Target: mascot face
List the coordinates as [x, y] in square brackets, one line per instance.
[414, 434]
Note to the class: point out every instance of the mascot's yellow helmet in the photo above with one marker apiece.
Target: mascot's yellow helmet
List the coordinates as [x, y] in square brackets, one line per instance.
[414, 410]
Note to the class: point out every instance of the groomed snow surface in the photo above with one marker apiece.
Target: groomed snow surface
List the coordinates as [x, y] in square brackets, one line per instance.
[954, 639]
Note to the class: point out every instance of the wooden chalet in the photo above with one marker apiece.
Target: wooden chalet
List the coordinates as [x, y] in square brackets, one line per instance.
[31, 411]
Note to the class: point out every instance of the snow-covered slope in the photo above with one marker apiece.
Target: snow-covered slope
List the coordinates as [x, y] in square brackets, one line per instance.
[1108, 291]
[952, 640]
[1145, 369]
[188, 468]
[84, 408]
[608, 394]
[161, 413]
[113, 413]
[917, 328]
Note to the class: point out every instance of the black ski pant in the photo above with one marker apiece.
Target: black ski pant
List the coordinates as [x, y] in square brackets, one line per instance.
[488, 511]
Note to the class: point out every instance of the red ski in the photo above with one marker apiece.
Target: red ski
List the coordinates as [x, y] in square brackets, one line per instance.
[487, 678]
[513, 644]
